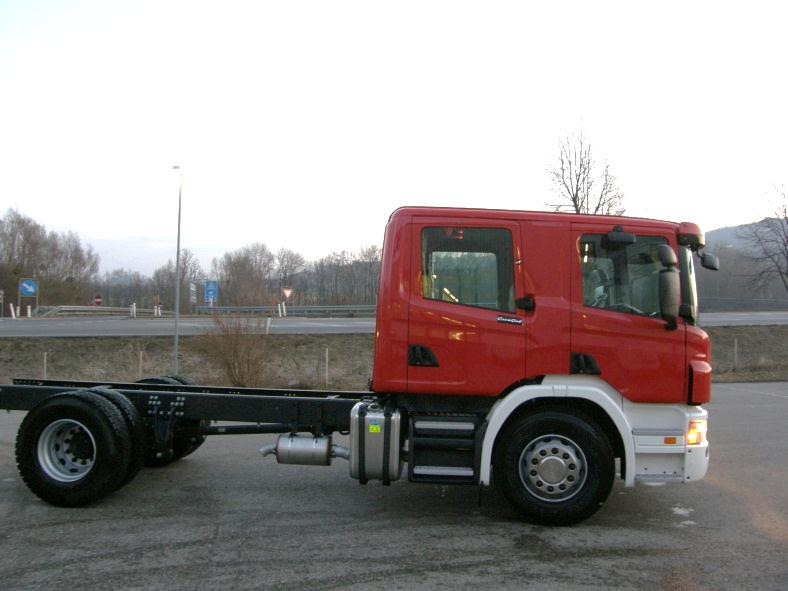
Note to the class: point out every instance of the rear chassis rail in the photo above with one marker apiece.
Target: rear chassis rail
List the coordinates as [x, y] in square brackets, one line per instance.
[270, 410]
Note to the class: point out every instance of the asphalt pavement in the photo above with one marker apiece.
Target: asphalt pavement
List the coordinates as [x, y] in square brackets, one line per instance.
[227, 518]
[123, 326]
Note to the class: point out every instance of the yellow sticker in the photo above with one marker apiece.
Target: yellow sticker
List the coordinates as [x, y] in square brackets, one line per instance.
[374, 428]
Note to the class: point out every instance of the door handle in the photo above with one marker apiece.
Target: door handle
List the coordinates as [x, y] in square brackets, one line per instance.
[527, 303]
[421, 356]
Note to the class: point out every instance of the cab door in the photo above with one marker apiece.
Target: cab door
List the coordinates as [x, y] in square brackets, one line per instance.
[617, 329]
[465, 335]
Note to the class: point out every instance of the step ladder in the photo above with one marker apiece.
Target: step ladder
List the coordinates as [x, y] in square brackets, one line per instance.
[445, 449]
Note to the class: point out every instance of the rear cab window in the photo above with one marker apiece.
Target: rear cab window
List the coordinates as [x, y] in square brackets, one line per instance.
[468, 266]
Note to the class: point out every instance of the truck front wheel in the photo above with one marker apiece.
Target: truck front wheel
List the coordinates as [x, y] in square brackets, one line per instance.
[554, 467]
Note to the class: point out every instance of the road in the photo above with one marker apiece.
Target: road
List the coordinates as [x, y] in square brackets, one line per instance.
[98, 327]
[226, 518]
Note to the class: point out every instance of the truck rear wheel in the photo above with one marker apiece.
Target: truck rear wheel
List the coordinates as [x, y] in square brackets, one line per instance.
[554, 468]
[73, 448]
[136, 429]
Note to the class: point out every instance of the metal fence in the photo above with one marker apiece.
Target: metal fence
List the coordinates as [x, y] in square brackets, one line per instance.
[96, 311]
[715, 304]
[348, 311]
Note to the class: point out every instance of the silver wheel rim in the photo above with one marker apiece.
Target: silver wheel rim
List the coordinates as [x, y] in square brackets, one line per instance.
[66, 450]
[553, 468]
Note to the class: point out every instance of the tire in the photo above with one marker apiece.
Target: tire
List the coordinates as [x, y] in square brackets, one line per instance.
[73, 449]
[554, 468]
[183, 444]
[136, 428]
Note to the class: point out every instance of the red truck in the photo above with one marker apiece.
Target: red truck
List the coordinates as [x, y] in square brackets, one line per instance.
[529, 350]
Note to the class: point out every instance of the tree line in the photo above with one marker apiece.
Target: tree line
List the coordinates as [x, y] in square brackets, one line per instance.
[57, 260]
[67, 272]
[252, 276]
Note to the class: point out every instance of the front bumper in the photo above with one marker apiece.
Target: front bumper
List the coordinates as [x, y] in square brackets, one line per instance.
[662, 453]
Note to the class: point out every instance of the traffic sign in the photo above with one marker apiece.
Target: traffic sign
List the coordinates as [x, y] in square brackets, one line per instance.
[287, 291]
[97, 299]
[210, 291]
[28, 288]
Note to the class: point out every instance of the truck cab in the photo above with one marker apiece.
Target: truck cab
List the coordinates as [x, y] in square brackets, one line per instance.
[511, 314]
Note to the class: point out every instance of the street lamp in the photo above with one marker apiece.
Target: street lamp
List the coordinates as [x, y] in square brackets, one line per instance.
[177, 275]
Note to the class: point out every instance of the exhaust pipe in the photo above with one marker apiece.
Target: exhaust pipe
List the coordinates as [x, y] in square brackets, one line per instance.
[305, 450]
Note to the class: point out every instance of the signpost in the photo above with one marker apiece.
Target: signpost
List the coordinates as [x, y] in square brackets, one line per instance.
[211, 292]
[2, 295]
[28, 288]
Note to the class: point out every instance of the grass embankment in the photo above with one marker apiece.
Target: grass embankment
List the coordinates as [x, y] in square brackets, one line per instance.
[754, 353]
[290, 361]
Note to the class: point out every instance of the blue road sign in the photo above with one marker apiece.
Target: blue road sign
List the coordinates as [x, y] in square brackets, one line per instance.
[28, 288]
[210, 291]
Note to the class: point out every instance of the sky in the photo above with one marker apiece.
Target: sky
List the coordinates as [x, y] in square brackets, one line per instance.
[305, 124]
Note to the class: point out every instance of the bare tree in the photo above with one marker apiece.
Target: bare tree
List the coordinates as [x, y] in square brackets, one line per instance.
[368, 267]
[164, 279]
[768, 245]
[244, 275]
[576, 185]
[288, 263]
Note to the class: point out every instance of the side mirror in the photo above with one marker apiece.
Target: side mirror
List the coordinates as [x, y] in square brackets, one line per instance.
[669, 287]
[667, 256]
[710, 261]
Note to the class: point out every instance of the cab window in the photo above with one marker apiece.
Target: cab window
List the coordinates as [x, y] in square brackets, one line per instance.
[621, 278]
[468, 266]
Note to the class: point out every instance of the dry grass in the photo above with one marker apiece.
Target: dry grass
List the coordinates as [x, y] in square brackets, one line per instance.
[239, 345]
[290, 361]
[749, 353]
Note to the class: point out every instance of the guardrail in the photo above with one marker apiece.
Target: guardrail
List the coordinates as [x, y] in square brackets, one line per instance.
[717, 304]
[351, 310]
[100, 311]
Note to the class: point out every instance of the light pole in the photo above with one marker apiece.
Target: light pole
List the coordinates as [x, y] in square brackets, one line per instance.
[177, 275]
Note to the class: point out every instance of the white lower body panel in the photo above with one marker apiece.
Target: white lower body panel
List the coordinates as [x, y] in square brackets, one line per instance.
[661, 450]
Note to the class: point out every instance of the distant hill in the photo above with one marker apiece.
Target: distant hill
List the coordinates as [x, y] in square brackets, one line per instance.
[731, 289]
[726, 237]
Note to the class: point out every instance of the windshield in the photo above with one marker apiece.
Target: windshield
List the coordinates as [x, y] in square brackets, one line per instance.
[689, 289]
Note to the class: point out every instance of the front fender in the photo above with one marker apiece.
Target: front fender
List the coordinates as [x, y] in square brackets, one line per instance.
[556, 388]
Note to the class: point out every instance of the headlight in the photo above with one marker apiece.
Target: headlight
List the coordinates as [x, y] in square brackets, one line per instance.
[696, 433]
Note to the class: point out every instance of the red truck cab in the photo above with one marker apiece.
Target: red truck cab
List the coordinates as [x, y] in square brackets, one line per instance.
[476, 302]
[568, 340]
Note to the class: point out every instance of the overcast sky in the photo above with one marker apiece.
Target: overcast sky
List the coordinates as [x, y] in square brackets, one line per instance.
[304, 124]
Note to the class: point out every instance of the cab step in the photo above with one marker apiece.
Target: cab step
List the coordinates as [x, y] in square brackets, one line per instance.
[445, 449]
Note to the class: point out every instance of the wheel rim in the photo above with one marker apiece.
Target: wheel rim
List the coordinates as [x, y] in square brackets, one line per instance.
[553, 468]
[66, 450]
